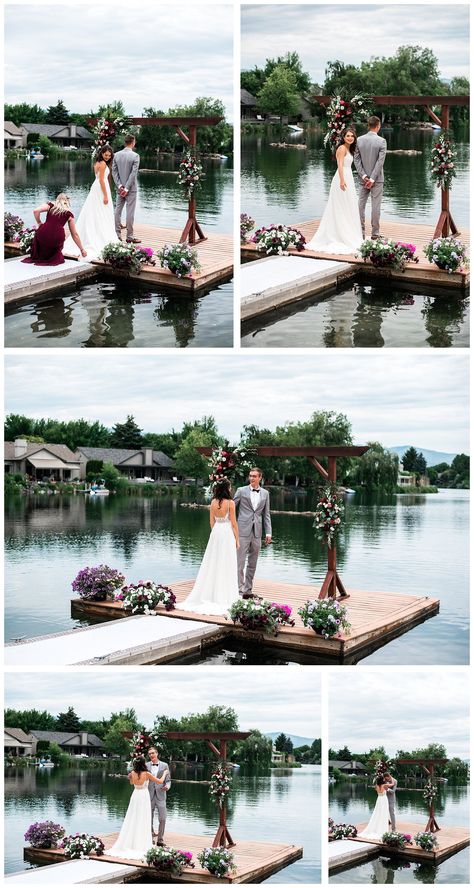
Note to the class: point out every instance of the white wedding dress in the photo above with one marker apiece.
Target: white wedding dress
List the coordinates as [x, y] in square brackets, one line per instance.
[95, 223]
[216, 587]
[135, 837]
[340, 229]
[379, 822]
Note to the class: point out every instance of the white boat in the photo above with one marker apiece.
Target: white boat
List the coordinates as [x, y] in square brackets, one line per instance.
[350, 491]
[435, 126]
[295, 129]
[99, 491]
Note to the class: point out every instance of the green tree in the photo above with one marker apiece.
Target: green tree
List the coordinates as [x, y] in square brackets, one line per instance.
[94, 468]
[291, 62]
[56, 754]
[188, 462]
[112, 477]
[279, 93]
[288, 748]
[68, 721]
[29, 720]
[23, 112]
[377, 469]
[280, 742]
[409, 459]
[344, 754]
[57, 113]
[115, 742]
[127, 434]
[255, 750]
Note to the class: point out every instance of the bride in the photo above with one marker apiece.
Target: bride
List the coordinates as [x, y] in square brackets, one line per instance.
[135, 836]
[95, 224]
[379, 822]
[216, 587]
[340, 229]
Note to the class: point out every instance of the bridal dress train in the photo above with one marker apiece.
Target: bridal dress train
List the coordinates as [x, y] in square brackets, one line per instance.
[340, 230]
[95, 224]
[378, 823]
[135, 837]
[216, 587]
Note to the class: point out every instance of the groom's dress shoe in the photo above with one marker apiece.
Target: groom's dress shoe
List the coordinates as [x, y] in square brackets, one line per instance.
[160, 844]
[253, 597]
[133, 240]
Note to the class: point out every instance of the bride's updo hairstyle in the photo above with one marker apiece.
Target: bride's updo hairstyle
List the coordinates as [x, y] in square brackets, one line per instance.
[221, 490]
[139, 764]
[100, 154]
[380, 781]
[349, 129]
[62, 204]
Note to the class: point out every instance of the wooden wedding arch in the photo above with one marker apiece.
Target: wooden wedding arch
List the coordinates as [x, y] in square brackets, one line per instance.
[222, 738]
[192, 232]
[332, 581]
[428, 766]
[445, 224]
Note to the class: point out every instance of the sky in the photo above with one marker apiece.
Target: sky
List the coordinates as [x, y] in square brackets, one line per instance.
[399, 710]
[353, 33]
[396, 397]
[144, 53]
[292, 704]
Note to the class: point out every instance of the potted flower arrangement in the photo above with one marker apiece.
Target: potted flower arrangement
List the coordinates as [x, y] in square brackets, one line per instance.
[181, 259]
[127, 257]
[442, 169]
[447, 253]
[278, 239]
[325, 616]
[340, 113]
[425, 840]
[220, 784]
[81, 845]
[331, 826]
[344, 831]
[144, 597]
[218, 861]
[13, 226]
[25, 239]
[328, 517]
[247, 225]
[169, 860]
[190, 174]
[97, 583]
[384, 253]
[44, 835]
[396, 839]
[283, 614]
[260, 616]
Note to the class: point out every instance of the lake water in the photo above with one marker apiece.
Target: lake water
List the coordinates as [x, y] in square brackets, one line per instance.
[117, 314]
[353, 803]
[411, 544]
[265, 805]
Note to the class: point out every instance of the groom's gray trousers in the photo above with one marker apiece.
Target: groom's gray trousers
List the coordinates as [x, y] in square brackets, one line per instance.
[130, 202]
[159, 806]
[375, 194]
[391, 808]
[249, 549]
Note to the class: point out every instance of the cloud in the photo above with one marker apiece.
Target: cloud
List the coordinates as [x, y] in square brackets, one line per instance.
[394, 398]
[400, 710]
[355, 33]
[291, 704]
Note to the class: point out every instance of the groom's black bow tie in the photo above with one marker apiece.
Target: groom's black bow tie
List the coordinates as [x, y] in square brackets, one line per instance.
[255, 489]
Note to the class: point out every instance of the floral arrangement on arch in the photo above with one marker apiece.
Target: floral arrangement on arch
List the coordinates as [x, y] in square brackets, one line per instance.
[442, 168]
[230, 460]
[45, 834]
[143, 597]
[127, 257]
[276, 240]
[382, 767]
[220, 784]
[342, 112]
[142, 740]
[260, 616]
[97, 583]
[106, 130]
[329, 515]
[385, 253]
[218, 861]
[169, 860]
[181, 259]
[190, 174]
[430, 791]
[81, 845]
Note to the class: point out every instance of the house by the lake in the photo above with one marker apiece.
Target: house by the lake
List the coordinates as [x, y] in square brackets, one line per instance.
[12, 135]
[143, 463]
[352, 767]
[64, 135]
[41, 461]
[16, 742]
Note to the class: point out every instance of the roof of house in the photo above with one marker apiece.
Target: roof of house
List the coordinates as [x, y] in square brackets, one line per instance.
[349, 766]
[117, 456]
[60, 450]
[12, 128]
[246, 98]
[19, 734]
[62, 737]
[53, 129]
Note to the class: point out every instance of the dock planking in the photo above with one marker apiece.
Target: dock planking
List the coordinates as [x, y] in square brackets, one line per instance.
[451, 839]
[255, 861]
[375, 617]
[422, 272]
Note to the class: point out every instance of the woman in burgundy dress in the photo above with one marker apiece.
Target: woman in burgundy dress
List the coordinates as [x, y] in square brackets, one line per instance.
[50, 235]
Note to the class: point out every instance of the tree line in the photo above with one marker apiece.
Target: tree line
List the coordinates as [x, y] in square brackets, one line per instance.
[455, 769]
[376, 470]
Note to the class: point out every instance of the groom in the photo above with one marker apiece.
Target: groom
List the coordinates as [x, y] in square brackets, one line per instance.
[254, 508]
[124, 170]
[369, 159]
[158, 791]
[391, 798]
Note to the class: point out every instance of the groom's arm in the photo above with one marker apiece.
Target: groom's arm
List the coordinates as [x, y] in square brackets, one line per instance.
[379, 162]
[133, 173]
[237, 495]
[358, 164]
[115, 173]
[267, 521]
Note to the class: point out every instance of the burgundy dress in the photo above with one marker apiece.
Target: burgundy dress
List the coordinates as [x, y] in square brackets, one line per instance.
[49, 239]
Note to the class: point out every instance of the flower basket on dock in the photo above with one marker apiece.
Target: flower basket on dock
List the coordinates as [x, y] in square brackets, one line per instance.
[44, 835]
[260, 616]
[325, 616]
[144, 597]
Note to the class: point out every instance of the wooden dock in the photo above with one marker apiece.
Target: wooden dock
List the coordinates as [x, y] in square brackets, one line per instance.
[376, 618]
[423, 272]
[215, 255]
[451, 839]
[255, 861]
[24, 282]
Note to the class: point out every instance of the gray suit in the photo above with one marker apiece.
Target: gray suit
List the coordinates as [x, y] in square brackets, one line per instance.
[158, 795]
[124, 170]
[369, 159]
[391, 803]
[250, 533]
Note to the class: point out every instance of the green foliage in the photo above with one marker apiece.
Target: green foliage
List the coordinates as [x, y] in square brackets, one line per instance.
[255, 79]
[309, 755]
[55, 752]
[114, 480]
[29, 720]
[74, 433]
[201, 433]
[94, 468]
[115, 742]
[68, 721]
[210, 139]
[414, 461]
[57, 113]
[127, 434]
[23, 112]
[255, 750]
[375, 470]
[216, 718]
[279, 94]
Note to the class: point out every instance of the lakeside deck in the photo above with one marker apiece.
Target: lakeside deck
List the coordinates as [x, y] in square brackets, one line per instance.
[451, 839]
[26, 282]
[255, 861]
[376, 618]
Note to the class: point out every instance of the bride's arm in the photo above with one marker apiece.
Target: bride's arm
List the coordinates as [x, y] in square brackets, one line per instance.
[340, 155]
[233, 521]
[103, 185]
[75, 236]
[212, 517]
[158, 779]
